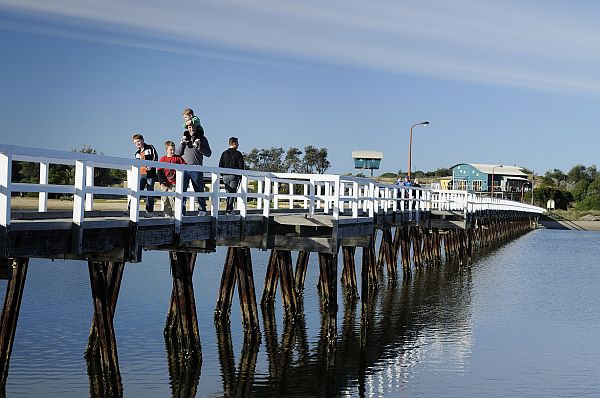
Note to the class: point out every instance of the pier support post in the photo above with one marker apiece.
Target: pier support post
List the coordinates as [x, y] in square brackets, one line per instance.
[105, 333]
[405, 250]
[349, 271]
[10, 312]
[328, 267]
[280, 266]
[182, 321]
[238, 268]
[387, 249]
[417, 250]
[301, 267]
[113, 272]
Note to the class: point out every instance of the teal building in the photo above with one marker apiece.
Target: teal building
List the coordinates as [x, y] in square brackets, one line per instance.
[502, 180]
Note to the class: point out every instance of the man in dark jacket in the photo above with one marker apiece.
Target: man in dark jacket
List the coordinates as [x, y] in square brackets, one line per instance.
[147, 174]
[231, 159]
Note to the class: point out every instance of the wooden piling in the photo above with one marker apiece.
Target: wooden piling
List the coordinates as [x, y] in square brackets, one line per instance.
[10, 312]
[271, 280]
[348, 279]
[238, 269]
[328, 267]
[114, 274]
[280, 266]
[228, 278]
[183, 307]
[388, 250]
[417, 247]
[301, 267]
[405, 250]
[288, 284]
[103, 317]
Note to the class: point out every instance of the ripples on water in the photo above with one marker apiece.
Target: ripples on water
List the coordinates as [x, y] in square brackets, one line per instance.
[522, 320]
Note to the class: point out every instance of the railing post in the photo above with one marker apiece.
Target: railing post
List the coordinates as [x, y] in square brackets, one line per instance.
[79, 197]
[327, 200]
[371, 200]
[78, 206]
[403, 196]
[259, 199]
[89, 182]
[243, 201]
[318, 193]
[336, 198]
[134, 195]
[394, 199]
[305, 194]
[267, 197]
[215, 179]
[5, 188]
[291, 192]
[355, 200]
[312, 200]
[43, 196]
[178, 202]
[275, 194]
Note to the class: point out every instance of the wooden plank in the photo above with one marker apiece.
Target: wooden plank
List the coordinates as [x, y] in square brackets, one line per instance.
[319, 245]
[303, 219]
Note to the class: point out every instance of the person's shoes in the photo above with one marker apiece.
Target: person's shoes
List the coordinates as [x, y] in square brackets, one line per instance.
[149, 214]
[228, 211]
[201, 213]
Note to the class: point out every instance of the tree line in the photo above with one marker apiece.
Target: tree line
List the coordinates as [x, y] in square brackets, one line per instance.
[579, 187]
[312, 160]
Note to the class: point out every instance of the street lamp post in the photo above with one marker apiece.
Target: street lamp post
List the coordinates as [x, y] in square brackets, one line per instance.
[410, 144]
[492, 185]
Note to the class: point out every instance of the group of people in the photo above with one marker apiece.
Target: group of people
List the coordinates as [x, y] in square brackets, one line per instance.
[192, 149]
[406, 182]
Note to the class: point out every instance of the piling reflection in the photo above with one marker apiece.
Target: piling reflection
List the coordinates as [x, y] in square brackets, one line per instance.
[184, 375]
[102, 384]
[236, 383]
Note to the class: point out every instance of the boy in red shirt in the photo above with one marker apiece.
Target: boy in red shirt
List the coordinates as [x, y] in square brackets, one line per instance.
[166, 177]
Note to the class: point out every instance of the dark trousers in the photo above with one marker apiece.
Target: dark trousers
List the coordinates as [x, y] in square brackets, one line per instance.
[231, 183]
[197, 180]
[147, 183]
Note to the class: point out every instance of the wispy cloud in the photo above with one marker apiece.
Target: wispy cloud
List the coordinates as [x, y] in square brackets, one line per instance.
[540, 45]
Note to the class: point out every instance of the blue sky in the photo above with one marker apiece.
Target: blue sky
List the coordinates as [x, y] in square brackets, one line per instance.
[504, 82]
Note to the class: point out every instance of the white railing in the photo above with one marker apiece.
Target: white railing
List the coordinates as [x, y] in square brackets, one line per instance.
[332, 194]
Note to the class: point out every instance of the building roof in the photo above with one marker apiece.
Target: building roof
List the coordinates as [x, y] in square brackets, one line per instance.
[497, 169]
[367, 155]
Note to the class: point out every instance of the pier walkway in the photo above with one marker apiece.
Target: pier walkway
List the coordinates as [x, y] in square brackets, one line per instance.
[281, 212]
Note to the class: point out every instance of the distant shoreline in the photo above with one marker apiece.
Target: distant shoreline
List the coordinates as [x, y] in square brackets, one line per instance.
[570, 225]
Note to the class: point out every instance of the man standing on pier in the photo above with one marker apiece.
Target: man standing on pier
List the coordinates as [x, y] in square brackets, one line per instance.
[147, 174]
[231, 159]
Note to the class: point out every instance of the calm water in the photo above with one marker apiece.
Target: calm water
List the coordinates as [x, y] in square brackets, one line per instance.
[523, 320]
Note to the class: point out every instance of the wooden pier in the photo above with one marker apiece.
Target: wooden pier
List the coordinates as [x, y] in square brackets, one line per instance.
[322, 215]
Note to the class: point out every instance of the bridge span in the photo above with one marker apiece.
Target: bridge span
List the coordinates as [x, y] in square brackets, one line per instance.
[281, 212]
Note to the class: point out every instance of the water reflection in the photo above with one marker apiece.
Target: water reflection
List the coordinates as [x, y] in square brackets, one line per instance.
[390, 328]
[184, 375]
[236, 383]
